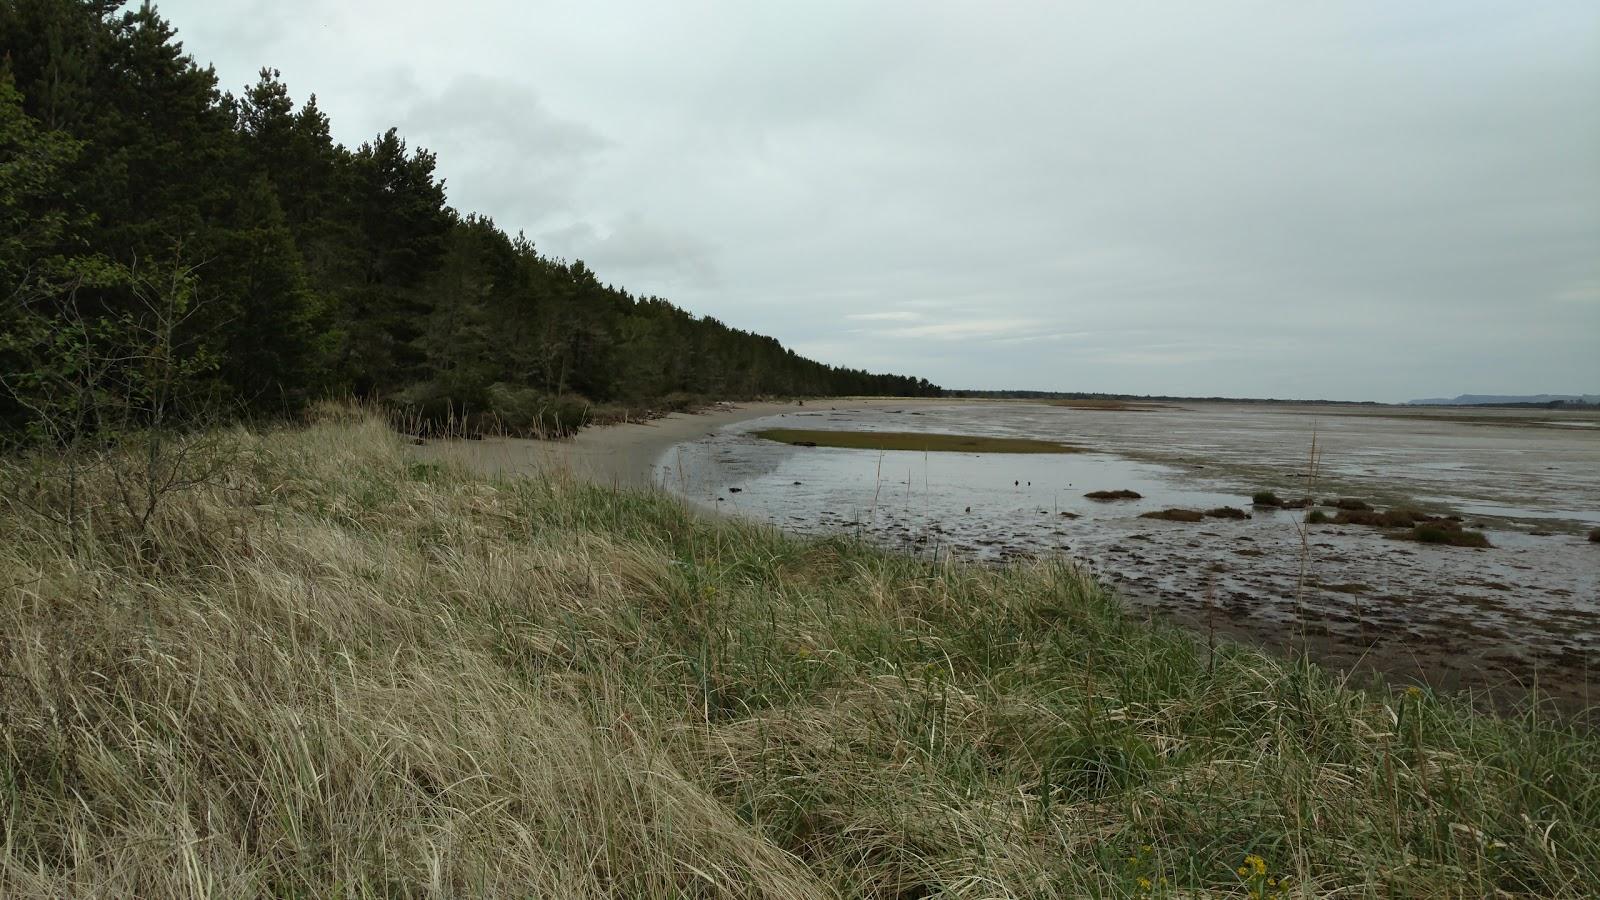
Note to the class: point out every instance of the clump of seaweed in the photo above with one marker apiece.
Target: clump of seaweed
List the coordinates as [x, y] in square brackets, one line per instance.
[1352, 587]
[1443, 531]
[1399, 517]
[1175, 515]
[1123, 494]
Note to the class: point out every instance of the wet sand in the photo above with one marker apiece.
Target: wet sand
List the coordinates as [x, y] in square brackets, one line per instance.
[622, 455]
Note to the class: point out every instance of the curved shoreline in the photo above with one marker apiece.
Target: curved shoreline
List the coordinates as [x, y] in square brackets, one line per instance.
[625, 455]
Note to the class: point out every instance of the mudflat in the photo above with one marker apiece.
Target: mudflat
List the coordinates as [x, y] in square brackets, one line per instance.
[1472, 567]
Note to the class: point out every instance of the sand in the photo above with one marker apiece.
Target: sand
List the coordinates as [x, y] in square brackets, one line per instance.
[622, 455]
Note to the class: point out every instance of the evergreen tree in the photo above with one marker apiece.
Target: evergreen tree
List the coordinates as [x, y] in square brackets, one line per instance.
[306, 266]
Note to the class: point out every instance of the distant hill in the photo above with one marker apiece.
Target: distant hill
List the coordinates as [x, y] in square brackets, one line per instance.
[1508, 400]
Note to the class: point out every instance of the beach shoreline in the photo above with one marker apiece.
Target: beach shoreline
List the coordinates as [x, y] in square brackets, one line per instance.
[624, 455]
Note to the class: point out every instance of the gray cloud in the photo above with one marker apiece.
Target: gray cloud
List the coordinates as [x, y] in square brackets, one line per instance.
[506, 150]
[1361, 200]
[638, 250]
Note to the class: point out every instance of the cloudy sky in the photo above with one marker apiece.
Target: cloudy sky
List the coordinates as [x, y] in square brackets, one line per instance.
[1355, 200]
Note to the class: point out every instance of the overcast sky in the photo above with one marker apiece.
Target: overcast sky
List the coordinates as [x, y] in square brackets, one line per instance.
[1355, 200]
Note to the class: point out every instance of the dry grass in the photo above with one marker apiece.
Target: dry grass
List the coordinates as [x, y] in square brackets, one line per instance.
[342, 673]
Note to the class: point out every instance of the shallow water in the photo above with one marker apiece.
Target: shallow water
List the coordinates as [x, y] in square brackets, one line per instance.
[1446, 615]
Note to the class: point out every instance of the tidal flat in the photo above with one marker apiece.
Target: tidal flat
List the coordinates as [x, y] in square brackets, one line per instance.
[1522, 610]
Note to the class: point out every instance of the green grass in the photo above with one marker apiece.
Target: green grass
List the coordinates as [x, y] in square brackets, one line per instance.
[911, 440]
[340, 673]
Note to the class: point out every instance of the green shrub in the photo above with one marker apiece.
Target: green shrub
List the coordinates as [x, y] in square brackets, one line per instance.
[525, 410]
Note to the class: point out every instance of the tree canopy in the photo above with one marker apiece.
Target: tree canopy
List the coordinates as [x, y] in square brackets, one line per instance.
[316, 268]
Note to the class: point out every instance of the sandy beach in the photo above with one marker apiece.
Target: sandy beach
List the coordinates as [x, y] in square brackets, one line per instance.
[623, 455]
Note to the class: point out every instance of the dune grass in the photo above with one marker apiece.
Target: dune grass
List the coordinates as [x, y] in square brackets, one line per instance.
[913, 440]
[344, 673]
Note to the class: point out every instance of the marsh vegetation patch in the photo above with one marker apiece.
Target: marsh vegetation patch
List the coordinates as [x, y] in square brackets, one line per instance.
[1175, 515]
[1108, 405]
[912, 440]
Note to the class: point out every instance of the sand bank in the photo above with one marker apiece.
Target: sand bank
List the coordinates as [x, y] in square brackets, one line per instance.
[623, 455]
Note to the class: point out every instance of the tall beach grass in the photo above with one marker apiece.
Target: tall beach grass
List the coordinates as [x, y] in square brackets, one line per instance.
[340, 672]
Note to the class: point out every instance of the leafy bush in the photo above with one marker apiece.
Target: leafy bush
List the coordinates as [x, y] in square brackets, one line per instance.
[523, 410]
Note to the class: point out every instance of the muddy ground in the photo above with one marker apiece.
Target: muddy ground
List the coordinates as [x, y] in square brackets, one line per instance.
[1495, 621]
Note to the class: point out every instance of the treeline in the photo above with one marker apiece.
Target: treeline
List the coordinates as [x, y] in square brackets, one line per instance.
[232, 237]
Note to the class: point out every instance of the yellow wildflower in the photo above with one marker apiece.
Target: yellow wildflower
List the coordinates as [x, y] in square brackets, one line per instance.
[1144, 883]
[1257, 863]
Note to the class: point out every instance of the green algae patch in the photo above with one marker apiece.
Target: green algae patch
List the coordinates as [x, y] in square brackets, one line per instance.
[912, 440]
